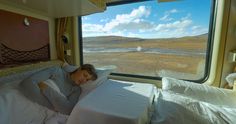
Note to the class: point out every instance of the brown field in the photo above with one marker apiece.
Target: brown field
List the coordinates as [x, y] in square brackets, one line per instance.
[150, 64]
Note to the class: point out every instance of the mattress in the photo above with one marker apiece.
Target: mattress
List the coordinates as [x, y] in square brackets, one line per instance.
[115, 102]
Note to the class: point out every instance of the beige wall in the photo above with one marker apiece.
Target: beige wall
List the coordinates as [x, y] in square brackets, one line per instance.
[219, 36]
[35, 14]
[230, 45]
[224, 42]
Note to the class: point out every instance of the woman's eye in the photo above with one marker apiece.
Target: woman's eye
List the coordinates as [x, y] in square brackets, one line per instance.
[85, 75]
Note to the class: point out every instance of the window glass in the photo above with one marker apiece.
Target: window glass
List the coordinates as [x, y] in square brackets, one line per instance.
[150, 38]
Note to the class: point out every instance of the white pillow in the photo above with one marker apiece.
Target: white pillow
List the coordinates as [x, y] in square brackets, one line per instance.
[214, 95]
[102, 74]
[68, 68]
[231, 78]
[175, 85]
[178, 109]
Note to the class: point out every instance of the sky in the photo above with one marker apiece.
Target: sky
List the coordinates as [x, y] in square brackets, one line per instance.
[150, 20]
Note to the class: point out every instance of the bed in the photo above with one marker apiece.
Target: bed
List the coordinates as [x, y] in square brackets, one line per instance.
[107, 101]
[119, 102]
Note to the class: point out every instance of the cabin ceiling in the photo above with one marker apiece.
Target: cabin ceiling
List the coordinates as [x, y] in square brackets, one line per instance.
[64, 8]
[113, 1]
[56, 8]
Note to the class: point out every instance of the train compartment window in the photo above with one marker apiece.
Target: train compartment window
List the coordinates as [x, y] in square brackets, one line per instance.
[150, 39]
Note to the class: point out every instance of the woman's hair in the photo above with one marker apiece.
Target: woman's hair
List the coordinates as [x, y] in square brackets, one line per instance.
[90, 69]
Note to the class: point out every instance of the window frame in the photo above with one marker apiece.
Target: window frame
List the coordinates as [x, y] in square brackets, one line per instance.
[209, 49]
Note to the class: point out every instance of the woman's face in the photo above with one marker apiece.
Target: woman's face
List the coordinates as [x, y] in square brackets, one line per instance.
[81, 77]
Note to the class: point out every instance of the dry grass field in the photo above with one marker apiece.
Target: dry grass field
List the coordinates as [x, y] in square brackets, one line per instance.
[176, 57]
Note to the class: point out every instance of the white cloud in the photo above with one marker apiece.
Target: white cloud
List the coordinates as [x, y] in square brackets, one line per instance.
[135, 24]
[175, 25]
[125, 19]
[85, 18]
[173, 11]
[104, 20]
[195, 27]
[197, 30]
[133, 21]
[132, 35]
[167, 14]
[177, 28]
[92, 28]
[117, 33]
[166, 18]
[186, 17]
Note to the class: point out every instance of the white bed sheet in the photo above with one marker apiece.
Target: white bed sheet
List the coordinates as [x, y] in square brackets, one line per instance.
[184, 102]
[15, 108]
[173, 108]
[115, 102]
[201, 92]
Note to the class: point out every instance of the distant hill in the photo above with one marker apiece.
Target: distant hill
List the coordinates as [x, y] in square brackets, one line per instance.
[106, 39]
[203, 35]
[189, 43]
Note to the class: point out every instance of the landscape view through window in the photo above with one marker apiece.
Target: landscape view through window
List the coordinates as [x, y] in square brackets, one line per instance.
[150, 38]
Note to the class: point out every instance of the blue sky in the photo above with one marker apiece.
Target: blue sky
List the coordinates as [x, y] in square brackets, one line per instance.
[150, 20]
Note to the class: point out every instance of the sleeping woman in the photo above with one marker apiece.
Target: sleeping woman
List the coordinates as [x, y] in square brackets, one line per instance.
[57, 88]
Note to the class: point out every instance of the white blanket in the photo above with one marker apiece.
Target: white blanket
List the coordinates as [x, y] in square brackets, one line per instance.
[15, 108]
[201, 92]
[184, 102]
[115, 102]
[172, 108]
